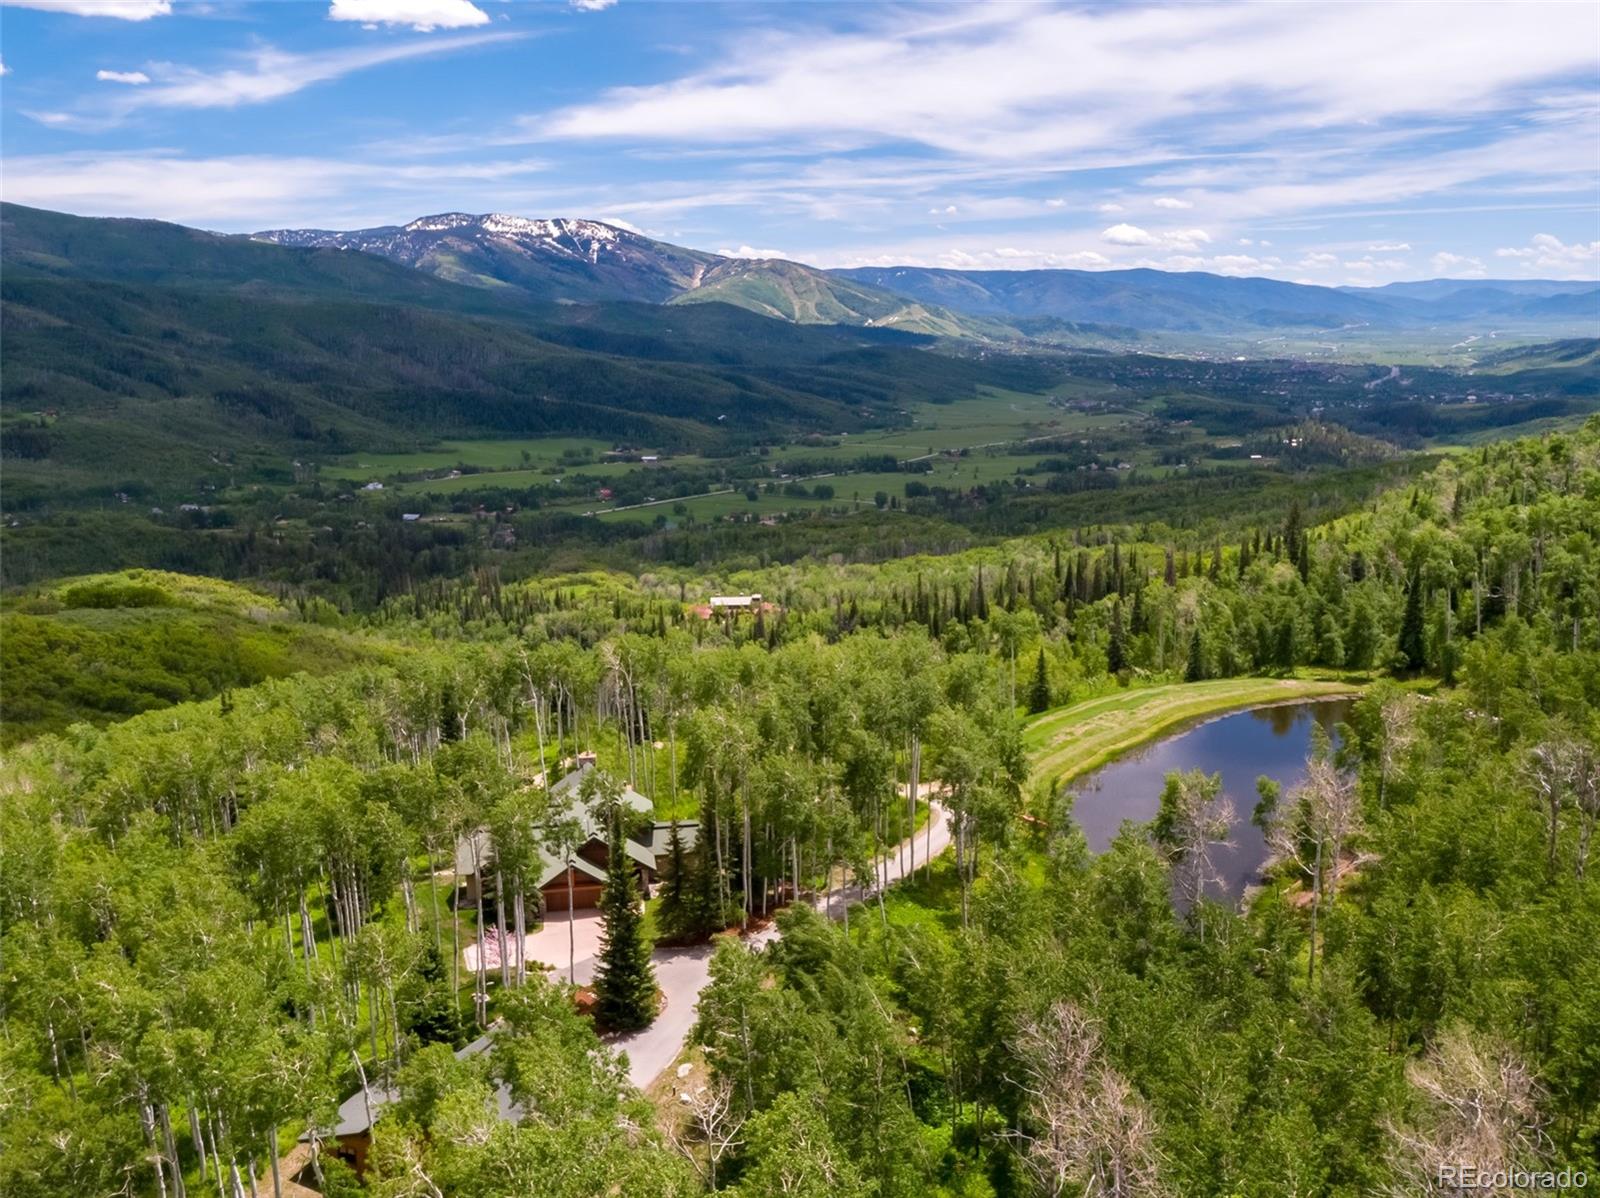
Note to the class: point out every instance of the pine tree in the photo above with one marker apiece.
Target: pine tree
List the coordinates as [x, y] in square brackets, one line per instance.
[1039, 692]
[1116, 651]
[624, 979]
[705, 887]
[1291, 532]
[1196, 670]
[1411, 636]
[675, 916]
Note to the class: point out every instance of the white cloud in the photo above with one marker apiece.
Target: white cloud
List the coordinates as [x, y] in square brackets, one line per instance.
[1172, 203]
[1128, 235]
[123, 10]
[135, 78]
[1055, 203]
[1548, 254]
[265, 74]
[1459, 266]
[421, 15]
[591, 5]
[1109, 208]
[1369, 265]
[1389, 247]
[1131, 69]
[1178, 239]
[1242, 264]
[1318, 261]
[4, 70]
[247, 192]
[750, 251]
[1186, 238]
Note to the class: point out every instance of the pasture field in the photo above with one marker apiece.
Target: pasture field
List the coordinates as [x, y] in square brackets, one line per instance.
[544, 453]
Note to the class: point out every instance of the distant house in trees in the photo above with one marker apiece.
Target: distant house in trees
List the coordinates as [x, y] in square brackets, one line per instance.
[732, 605]
[352, 1132]
[646, 845]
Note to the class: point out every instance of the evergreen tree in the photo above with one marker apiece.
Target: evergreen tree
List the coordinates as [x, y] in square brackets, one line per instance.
[676, 916]
[705, 887]
[1196, 670]
[1411, 636]
[1039, 692]
[1291, 532]
[624, 979]
[1116, 650]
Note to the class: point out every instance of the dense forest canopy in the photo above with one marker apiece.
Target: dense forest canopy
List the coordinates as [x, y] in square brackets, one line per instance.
[221, 917]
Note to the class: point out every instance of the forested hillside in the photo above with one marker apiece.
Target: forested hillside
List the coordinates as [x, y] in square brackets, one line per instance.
[158, 338]
[224, 917]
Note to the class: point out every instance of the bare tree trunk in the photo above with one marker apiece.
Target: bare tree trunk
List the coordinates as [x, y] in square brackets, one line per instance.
[500, 928]
[433, 895]
[272, 1155]
[480, 997]
[1316, 905]
[198, 1140]
[147, 1121]
[522, 939]
[744, 850]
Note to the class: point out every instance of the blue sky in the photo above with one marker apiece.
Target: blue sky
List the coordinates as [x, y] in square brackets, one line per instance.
[1339, 144]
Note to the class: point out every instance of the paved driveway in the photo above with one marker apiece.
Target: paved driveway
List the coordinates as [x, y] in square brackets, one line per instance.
[683, 972]
[548, 946]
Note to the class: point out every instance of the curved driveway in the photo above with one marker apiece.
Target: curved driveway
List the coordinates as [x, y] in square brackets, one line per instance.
[683, 972]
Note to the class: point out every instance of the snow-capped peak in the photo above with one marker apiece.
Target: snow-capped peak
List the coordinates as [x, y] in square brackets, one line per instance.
[505, 225]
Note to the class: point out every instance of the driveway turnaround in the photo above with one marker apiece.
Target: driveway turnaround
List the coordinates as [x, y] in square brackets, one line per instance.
[683, 972]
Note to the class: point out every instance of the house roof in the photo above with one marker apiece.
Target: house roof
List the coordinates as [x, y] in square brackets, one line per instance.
[564, 799]
[353, 1111]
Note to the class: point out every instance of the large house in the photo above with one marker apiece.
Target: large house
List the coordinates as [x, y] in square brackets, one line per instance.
[583, 875]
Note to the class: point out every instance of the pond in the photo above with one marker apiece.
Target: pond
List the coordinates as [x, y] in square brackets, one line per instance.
[1274, 741]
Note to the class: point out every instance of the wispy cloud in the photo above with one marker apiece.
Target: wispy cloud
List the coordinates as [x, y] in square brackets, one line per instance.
[246, 192]
[1456, 266]
[263, 74]
[133, 78]
[1128, 70]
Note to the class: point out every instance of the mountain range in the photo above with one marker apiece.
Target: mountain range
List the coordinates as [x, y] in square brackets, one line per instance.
[141, 358]
[566, 260]
[148, 350]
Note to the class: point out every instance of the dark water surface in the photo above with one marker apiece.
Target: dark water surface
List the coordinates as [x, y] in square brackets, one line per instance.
[1241, 747]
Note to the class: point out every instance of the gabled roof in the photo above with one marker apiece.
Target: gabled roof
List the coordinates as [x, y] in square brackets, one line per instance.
[353, 1117]
[661, 836]
[565, 801]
